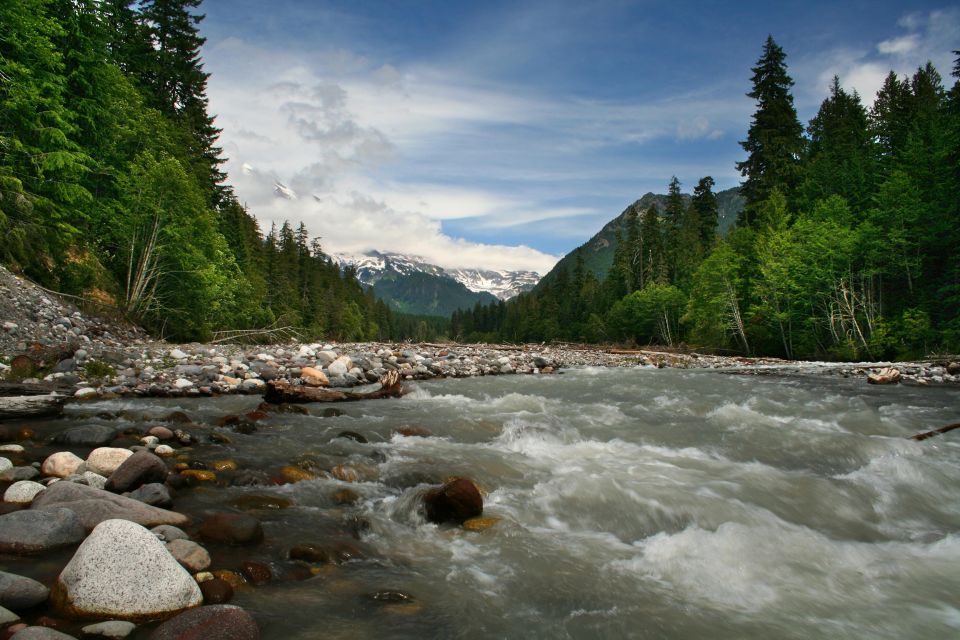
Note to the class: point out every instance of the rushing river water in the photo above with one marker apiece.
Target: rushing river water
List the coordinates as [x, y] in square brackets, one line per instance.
[633, 504]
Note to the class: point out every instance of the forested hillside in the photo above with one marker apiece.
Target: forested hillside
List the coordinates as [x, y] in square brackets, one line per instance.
[111, 187]
[846, 246]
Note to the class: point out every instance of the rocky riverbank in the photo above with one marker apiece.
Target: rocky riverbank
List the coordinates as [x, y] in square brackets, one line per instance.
[45, 338]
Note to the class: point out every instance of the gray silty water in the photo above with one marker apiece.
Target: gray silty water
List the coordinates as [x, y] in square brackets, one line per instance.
[634, 503]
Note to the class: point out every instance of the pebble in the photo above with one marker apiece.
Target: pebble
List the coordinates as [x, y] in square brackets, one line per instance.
[22, 492]
[106, 460]
[19, 592]
[60, 464]
[110, 629]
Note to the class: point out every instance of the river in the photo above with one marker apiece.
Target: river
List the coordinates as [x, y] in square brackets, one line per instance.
[633, 503]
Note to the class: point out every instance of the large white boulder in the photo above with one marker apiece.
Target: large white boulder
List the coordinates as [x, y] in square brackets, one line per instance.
[123, 571]
[61, 464]
[106, 460]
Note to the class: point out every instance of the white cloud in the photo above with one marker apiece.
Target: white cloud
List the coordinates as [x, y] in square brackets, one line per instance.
[929, 37]
[345, 134]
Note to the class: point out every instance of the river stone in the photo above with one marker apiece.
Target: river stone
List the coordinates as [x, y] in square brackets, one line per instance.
[93, 435]
[169, 533]
[61, 464]
[231, 528]
[40, 633]
[212, 622]
[93, 506]
[139, 469]
[337, 369]
[92, 479]
[27, 532]
[188, 553]
[110, 629]
[154, 494]
[314, 377]
[456, 501]
[18, 592]
[106, 460]
[22, 492]
[216, 591]
[123, 571]
[7, 617]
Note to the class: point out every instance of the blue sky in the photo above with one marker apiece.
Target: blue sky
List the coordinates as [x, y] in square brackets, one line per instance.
[504, 134]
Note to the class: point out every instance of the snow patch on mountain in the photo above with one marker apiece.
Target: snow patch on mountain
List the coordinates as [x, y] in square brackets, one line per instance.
[504, 284]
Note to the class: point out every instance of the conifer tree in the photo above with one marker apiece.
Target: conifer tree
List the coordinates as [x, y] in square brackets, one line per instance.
[706, 212]
[774, 141]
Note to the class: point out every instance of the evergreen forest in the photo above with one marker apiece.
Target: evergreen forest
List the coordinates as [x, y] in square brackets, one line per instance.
[846, 248]
[111, 185]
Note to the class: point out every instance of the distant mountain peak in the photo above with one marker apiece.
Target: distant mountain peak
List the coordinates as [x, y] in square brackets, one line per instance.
[503, 284]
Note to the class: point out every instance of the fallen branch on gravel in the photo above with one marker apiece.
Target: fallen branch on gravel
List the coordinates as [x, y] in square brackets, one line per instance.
[280, 391]
[923, 435]
[19, 407]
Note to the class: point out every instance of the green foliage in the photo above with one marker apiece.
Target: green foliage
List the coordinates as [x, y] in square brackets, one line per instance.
[98, 369]
[649, 315]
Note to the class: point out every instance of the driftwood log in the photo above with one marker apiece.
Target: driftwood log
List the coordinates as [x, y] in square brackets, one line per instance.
[19, 407]
[279, 391]
[923, 435]
[28, 388]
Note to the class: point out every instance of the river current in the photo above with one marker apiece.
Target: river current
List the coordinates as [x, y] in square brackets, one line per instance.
[633, 503]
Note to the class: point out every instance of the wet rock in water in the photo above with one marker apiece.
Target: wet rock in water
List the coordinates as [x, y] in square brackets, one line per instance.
[233, 578]
[41, 633]
[30, 532]
[179, 417]
[413, 432]
[153, 494]
[333, 553]
[211, 622]
[61, 464]
[257, 573]
[110, 629]
[137, 470]
[224, 465]
[22, 492]
[250, 478]
[123, 571]
[888, 375]
[345, 473]
[106, 460]
[18, 592]
[94, 435]
[189, 554]
[231, 528]
[456, 501]
[346, 496]
[296, 474]
[331, 412]
[216, 591]
[250, 502]
[164, 450]
[94, 506]
[352, 435]
[390, 596]
[480, 524]
[199, 475]
[161, 432]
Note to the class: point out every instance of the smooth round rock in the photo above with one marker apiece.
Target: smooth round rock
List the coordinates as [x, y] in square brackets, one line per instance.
[169, 533]
[106, 460]
[161, 432]
[137, 470]
[123, 571]
[164, 450]
[7, 617]
[212, 622]
[61, 464]
[110, 629]
[94, 506]
[257, 573]
[19, 592]
[154, 494]
[231, 528]
[216, 591]
[22, 492]
[93, 435]
[192, 556]
[456, 501]
[29, 532]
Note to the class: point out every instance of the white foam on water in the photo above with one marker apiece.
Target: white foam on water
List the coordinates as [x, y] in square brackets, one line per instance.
[775, 565]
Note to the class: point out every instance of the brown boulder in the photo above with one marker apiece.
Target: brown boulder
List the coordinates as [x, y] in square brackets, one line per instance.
[139, 469]
[456, 501]
[212, 622]
[231, 528]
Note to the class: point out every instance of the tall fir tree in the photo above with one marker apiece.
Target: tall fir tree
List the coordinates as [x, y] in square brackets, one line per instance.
[706, 210]
[774, 141]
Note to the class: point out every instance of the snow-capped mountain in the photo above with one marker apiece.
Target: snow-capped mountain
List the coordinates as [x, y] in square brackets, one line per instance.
[371, 266]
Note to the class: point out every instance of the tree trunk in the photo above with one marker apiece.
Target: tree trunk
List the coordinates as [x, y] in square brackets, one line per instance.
[279, 392]
[19, 407]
